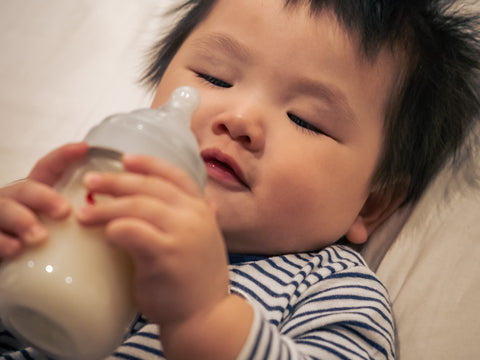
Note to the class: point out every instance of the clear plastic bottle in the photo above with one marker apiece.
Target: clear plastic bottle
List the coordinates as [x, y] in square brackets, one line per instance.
[71, 298]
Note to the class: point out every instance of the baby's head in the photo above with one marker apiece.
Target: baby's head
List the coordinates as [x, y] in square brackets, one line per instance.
[318, 118]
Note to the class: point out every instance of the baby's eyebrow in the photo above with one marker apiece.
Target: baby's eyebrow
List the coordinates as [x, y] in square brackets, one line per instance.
[213, 41]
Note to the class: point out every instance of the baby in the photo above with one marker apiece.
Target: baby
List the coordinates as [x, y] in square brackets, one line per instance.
[318, 119]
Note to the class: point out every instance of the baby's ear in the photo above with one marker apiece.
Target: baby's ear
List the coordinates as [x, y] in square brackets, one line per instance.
[377, 209]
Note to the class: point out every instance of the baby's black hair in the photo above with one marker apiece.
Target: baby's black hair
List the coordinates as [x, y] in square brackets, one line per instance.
[437, 102]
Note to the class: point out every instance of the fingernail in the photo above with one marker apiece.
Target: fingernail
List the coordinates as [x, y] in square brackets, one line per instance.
[129, 157]
[92, 178]
[83, 213]
[61, 210]
[36, 234]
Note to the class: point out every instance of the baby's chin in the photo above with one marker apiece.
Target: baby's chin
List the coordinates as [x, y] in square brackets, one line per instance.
[269, 245]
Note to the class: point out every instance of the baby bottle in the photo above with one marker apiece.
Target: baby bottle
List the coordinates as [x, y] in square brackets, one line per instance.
[71, 298]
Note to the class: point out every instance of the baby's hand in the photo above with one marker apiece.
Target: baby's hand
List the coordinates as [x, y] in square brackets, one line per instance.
[160, 218]
[22, 200]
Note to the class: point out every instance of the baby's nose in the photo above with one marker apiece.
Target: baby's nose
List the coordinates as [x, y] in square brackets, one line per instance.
[246, 128]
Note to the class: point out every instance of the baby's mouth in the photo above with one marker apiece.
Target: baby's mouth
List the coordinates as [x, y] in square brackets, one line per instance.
[223, 166]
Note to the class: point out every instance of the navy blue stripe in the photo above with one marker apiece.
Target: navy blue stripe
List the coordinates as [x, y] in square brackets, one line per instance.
[316, 341]
[359, 298]
[326, 348]
[277, 267]
[360, 276]
[319, 294]
[147, 335]
[290, 262]
[343, 310]
[330, 258]
[147, 349]
[257, 341]
[353, 275]
[349, 325]
[326, 313]
[359, 259]
[305, 257]
[126, 356]
[347, 339]
[370, 341]
[269, 343]
[8, 347]
[363, 298]
[26, 355]
[269, 275]
[249, 292]
[260, 284]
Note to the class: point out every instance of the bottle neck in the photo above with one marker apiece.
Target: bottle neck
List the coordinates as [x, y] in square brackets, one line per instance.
[97, 159]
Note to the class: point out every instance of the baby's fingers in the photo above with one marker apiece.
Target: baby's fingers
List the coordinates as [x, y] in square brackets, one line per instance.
[51, 167]
[9, 246]
[126, 227]
[135, 236]
[130, 184]
[38, 197]
[151, 166]
[18, 225]
[141, 207]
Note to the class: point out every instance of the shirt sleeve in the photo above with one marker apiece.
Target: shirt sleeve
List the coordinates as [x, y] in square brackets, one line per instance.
[12, 349]
[346, 316]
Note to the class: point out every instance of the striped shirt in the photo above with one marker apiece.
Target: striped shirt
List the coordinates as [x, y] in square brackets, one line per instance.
[322, 305]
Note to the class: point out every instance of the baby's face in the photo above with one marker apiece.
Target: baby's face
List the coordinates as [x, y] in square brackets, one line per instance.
[289, 125]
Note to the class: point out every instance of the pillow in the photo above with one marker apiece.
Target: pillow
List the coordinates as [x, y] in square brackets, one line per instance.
[428, 257]
[432, 267]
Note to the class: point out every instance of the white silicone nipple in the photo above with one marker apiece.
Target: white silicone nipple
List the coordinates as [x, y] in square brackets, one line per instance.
[184, 99]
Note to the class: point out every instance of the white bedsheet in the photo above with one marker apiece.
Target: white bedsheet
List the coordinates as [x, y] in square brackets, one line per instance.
[65, 65]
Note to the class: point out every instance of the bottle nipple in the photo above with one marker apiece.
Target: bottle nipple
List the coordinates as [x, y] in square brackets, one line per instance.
[184, 99]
